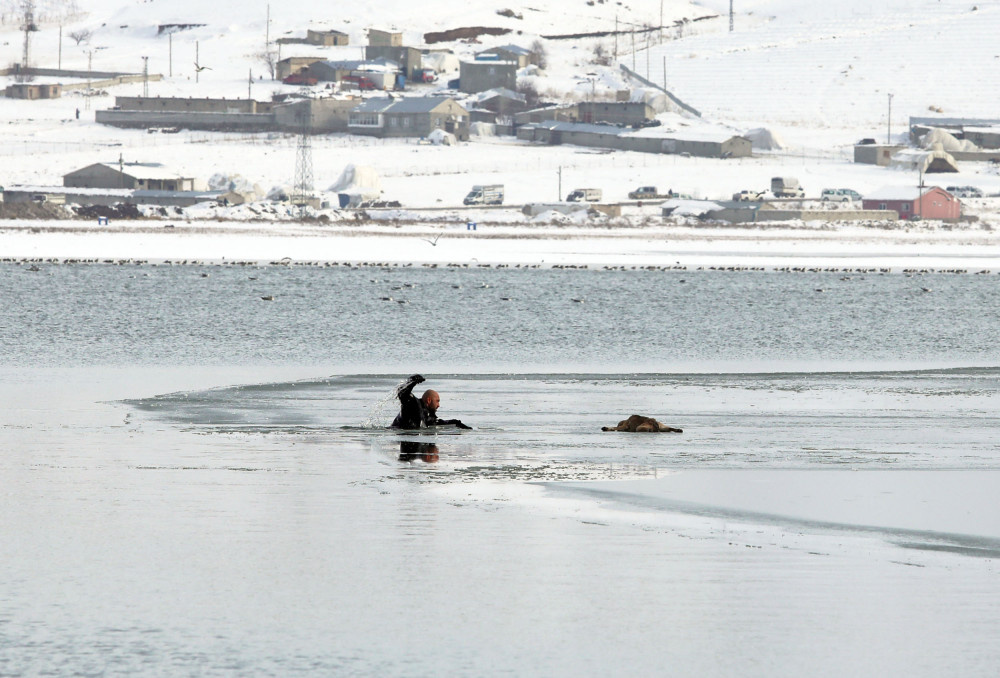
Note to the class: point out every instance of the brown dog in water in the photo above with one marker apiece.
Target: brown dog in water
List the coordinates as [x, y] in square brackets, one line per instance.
[640, 424]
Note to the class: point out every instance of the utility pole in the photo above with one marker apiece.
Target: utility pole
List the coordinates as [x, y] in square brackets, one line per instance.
[730, 16]
[90, 62]
[888, 134]
[197, 64]
[559, 172]
[145, 77]
[249, 84]
[170, 53]
[616, 37]
[59, 63]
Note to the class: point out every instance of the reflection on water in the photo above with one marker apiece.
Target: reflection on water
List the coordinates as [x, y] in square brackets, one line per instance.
[411, 450]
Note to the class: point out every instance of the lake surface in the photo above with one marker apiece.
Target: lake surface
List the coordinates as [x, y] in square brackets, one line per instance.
[197, 480]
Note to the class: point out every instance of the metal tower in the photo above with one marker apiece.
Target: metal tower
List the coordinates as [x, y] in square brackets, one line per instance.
[28, 26]
[303, 188]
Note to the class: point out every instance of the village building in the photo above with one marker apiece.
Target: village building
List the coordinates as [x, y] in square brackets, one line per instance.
[202, 105]
[128, 176]
[409, 59]
[409, 117]
[521, 56]
[568, 113]
[377, 38]
[327, 115]
[649, 140]
[293, 66]
[22, 90]
[374, 74]
[615, 112]
[911, 202]
[327, 38]
[479, 76]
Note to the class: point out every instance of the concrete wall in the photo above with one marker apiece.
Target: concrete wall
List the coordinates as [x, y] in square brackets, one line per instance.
[244, 122]
[323, 115]
[291, 65]
[182, 104]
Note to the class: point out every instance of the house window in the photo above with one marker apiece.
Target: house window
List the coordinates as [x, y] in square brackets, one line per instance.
[393, 122]
[882, 206]
[906, 207]
[406, 122]
[363, 119]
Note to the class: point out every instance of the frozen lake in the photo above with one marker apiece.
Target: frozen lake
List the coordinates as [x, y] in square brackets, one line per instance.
[195, 482]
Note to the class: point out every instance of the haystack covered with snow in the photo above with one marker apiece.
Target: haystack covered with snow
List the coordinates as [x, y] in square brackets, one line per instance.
[763, 139]
[930, 162]
[938, 137]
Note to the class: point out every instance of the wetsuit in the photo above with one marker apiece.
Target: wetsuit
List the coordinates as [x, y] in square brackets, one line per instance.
[412, 411]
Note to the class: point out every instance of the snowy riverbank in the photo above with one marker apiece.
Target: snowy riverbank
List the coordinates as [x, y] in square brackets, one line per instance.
[932, 247]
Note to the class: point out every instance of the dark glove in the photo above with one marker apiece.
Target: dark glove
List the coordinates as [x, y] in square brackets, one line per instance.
[416, 379]
[459, 424]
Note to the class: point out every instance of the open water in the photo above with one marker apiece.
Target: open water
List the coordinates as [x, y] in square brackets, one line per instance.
[196, 480]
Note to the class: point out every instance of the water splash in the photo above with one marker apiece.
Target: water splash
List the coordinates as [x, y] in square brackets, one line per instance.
[377, 416]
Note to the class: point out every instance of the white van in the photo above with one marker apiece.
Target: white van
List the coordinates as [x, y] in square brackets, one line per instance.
[840, 195]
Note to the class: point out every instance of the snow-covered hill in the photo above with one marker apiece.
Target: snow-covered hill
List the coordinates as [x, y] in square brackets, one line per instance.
[817, 75]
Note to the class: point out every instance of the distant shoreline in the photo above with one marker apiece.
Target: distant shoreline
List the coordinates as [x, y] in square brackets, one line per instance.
[925, 248]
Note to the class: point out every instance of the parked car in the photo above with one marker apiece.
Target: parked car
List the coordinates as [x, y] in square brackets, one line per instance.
[965, 191]
[426, 75]
[840, 195]
[748, 196]
[645, 193]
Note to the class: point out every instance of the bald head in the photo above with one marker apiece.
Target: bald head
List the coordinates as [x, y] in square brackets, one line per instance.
[431, 400]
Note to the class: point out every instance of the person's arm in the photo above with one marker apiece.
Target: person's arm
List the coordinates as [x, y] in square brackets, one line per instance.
[406, 389]
[452, 422]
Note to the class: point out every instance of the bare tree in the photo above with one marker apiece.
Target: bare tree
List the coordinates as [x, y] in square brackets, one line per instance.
[82, 35]
[270, 60]
[601, 56]
[539, 56]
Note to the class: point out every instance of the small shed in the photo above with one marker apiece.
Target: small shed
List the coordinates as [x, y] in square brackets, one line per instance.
[911, 202]
[326, 38]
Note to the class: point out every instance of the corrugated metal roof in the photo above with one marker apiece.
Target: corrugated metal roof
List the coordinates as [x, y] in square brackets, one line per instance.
[910, 193]
[402, 105]
[591, 128]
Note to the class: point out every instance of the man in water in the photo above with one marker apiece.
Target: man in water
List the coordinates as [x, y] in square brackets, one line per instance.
[422, 412]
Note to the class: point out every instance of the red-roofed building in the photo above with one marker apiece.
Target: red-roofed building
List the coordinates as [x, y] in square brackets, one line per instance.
[910, 202]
